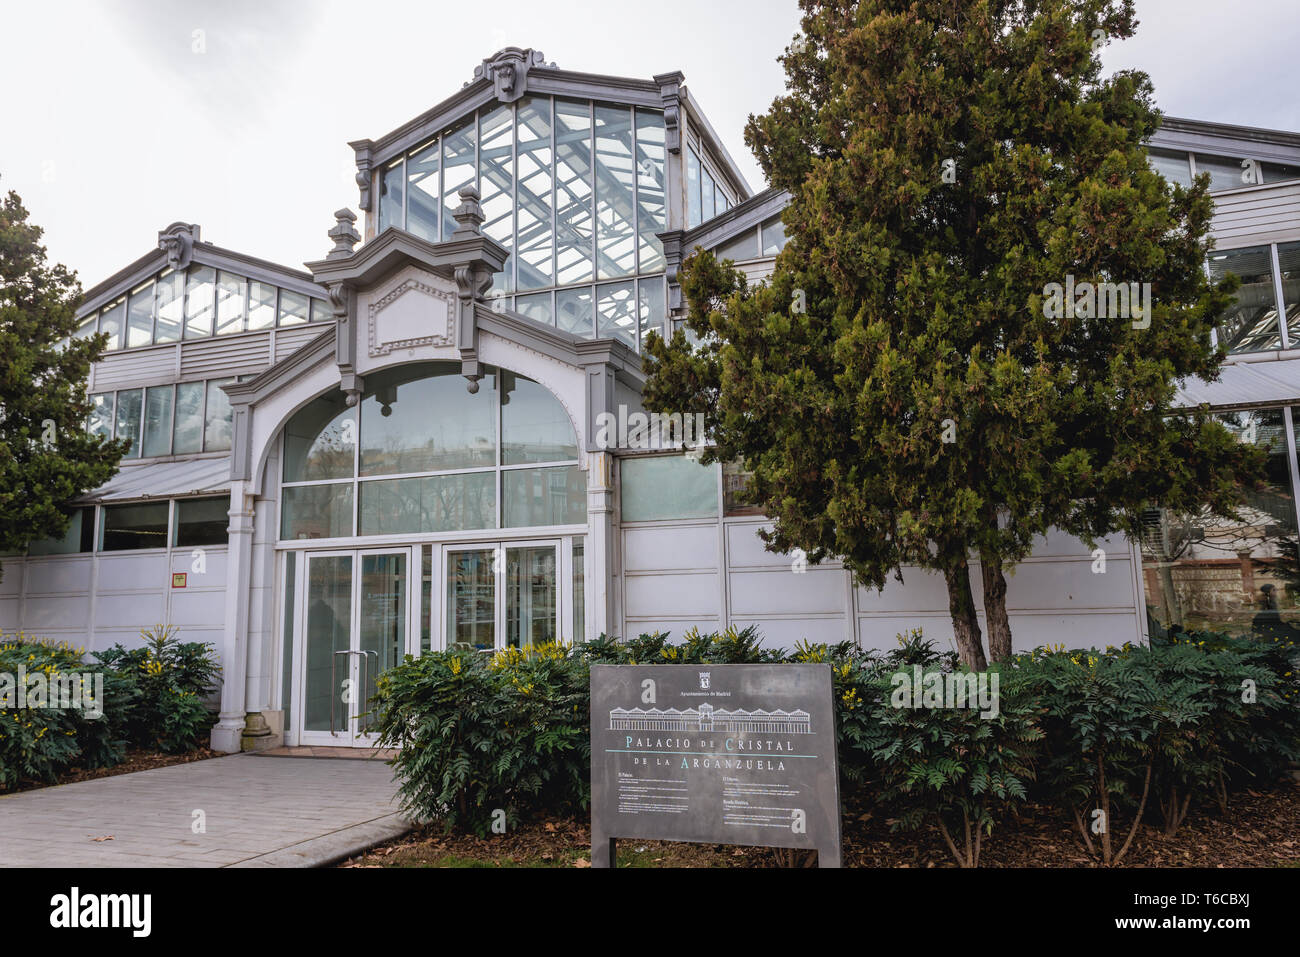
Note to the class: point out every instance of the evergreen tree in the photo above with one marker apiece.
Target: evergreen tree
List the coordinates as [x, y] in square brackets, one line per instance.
[47, 457]
[923, 379]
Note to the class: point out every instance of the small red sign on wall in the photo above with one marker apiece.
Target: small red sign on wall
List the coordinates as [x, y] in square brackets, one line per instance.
[178, 579]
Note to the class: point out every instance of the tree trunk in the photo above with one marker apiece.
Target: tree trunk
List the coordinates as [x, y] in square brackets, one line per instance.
[995, 606]
[965, 626]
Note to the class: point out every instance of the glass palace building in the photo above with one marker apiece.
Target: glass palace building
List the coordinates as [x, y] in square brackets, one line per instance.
[396, 450]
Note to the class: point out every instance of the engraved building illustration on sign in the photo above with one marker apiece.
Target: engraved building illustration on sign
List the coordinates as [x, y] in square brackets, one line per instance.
[708, 718]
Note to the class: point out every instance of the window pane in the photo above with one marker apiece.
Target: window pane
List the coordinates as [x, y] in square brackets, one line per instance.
[158, 420]
[652, 210]
[667, 487]
[316, 511]
[139, 317]
[739, 248]
[534, 426]
[1225, 171]
[653, 313]
[457, 171]
[573, 215]
[188, 434]
[534, 206]
[579, 592]
[735, 485]
[1288, 258]
[497, 185]
[202, 521]
[111, 322]
[537, 306]
[1210, 572]
[423, 191]
[200, 297]
[471, 599]
[439, 503]
[321, 311]
[530, 590]
[293, 308]
[1250, 324]
[1279, 172]
[391, 181]
[261, 305]
[773, 236]
[134, 526]
[421, 418]
[573, 311]
[89, 326]
[80, 536]
[692, 189]
[555, 496]
[128, 420]
[616, 239]
[230, 303]
[1172, 165]
[616, 312]
[319, 441]
[101, 415]
[216, 423]
[171, 305]
[707, 193]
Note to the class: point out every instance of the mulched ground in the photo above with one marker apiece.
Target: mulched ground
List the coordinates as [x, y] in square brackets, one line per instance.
[1261, 829]
[137, 759]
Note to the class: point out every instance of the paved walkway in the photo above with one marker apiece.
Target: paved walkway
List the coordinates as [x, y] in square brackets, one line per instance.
[258, 811]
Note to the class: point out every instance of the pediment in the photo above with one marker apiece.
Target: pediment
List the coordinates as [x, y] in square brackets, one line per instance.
[415, 312]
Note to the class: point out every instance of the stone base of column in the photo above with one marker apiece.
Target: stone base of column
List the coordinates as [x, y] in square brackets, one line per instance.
[258, 735]
[226, 733]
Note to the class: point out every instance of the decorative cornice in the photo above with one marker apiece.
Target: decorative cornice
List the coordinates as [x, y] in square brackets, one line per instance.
[508, 71]
[670, 85]
[178, 240]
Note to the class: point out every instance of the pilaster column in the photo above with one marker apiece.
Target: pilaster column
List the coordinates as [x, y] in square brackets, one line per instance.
[601, 546]
[234, 645]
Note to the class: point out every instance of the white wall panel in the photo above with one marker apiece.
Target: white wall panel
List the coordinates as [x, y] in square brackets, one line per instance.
[681, 596]
[669, 547]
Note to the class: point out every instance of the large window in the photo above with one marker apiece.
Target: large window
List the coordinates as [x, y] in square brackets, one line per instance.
[165, 419]
[1211, 572]
[422, 454]
[1226, 172]
[199, 302]
[575, 190]
[1251, 323]
[705, 195]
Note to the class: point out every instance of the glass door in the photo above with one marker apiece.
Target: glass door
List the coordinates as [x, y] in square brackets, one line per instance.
[356, 615]
[500, 595]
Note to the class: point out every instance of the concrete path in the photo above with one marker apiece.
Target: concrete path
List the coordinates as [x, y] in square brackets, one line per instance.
[258, 811]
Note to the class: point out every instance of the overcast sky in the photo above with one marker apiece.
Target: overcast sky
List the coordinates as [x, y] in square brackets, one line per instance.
[113, 125]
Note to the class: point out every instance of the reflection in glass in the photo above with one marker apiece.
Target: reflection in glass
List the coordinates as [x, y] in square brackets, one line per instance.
[202, 521]
[80, 536]
[128, 527]
[423, 192]
[111, 321]
[773, 236]
[1225, 171]
[739, 248]
[553, 496]
[188, 436]
[534, 426]
[573, 192]
[158, 420]
[1251, 323]
[652, 311]
[382, 641]
[217, 422]
[652, 210]
[667, 487]
[616, 240]
[230, 303]
[530, 596]
[497, 186]
[1210, 572]
[438, 503]
[573, 311]
[316, 511]
[471, 599]
[579, 592]
[693, 211]
[391, 182]
[293, 308]
[400, 435]
[139, 317]
[1288, 260]
[129, 404]
[1173, 166]
[261, 305]
[457, 171]
[616, 312]
[320, 440]
[534, 205]
[200, 300]
[328, 631]
[101, 415]
[537, 307]
[171, 305]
